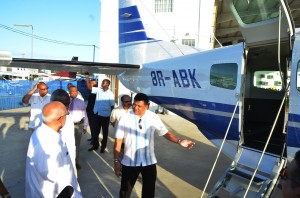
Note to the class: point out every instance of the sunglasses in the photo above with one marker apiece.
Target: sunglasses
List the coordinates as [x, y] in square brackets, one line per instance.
[140, 126]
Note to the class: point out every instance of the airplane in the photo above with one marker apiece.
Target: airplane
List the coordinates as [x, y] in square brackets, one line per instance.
[241, 97]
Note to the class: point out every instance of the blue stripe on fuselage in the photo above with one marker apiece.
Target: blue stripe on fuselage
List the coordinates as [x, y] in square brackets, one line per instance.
[293, 132]
[213, 126]
[130, 27]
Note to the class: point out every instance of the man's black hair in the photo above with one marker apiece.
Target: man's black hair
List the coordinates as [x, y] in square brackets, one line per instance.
[122, 98]
[62, 96]
[142, 97]
[106, 81]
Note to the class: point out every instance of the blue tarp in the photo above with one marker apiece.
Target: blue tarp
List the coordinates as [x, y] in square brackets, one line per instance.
[12, 92]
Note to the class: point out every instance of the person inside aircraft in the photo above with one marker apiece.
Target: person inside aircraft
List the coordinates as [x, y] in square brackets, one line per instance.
[137, 128]
[37, 101]
[291, 178]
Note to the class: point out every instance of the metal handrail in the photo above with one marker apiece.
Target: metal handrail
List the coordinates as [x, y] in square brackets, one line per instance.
[220, 148]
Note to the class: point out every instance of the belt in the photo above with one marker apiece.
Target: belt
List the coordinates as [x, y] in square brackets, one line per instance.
[78, 123]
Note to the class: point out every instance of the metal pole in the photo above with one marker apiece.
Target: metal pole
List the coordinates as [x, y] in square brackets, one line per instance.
[31, 41]
[94, 54]
[28, 25]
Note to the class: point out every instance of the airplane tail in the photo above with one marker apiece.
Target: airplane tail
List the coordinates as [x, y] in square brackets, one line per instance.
[135, 46]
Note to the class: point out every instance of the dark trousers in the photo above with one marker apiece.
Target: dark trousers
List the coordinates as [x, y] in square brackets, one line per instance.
[91, 115]
[100, 122]
[130, 175]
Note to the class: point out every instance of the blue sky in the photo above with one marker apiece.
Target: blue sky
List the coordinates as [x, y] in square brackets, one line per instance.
[71, 21]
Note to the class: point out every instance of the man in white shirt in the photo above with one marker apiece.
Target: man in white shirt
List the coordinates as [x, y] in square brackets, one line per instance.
[67, 132]
[48, 165]
[137, 128]
[37, 101]
[119, 111]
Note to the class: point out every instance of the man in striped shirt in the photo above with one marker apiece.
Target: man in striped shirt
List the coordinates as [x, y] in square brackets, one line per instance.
[137, 128]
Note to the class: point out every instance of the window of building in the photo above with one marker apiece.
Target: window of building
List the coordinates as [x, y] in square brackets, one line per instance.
[224, 75]
[163, 6]
[189, 42]
[267, 80]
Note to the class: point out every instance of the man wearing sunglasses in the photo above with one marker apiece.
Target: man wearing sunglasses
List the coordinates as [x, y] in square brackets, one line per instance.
[291, 177]
[137, 128]
[37, 101]
[118, 112]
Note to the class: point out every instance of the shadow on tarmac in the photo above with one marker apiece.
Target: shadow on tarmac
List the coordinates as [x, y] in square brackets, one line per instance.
[181, 172]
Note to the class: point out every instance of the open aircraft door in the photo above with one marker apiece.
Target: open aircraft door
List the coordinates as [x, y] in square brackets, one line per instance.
[268, 31]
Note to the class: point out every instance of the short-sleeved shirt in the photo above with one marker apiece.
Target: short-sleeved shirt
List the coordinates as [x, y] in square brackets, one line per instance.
[48, 165]
[116, 114]
[68, 138]
[139, 141]
[104, 101]
[37, 104]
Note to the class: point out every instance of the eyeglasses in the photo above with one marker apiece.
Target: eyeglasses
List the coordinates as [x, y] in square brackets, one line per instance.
[283, 174]
[140, 126]
[67, 113]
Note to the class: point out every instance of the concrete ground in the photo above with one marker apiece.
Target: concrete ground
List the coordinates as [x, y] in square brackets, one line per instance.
[181, 172]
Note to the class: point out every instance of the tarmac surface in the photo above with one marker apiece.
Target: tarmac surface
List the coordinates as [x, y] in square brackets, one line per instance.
[181, 172]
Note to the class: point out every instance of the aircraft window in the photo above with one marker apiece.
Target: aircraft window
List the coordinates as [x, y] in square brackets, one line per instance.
[224, 75]
[298, 76]
[252, 11]
[267, 80]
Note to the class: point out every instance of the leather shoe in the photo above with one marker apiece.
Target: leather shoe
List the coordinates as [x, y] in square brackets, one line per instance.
[92, 148]
[102, 150]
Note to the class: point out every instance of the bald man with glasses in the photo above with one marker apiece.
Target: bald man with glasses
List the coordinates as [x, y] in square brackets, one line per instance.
[48, 165]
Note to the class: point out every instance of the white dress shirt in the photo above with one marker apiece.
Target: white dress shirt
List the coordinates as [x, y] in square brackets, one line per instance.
[48, 165]
[139, 137]
[68, 137]
[37, 103]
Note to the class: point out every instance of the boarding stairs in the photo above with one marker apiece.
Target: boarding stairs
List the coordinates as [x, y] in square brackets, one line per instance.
[235, 181]
[253, 173]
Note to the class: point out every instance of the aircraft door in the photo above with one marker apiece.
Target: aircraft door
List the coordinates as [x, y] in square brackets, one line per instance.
[293, 126]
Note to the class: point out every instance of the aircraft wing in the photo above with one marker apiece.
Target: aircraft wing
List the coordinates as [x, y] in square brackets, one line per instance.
[62, 65]
[74, 66]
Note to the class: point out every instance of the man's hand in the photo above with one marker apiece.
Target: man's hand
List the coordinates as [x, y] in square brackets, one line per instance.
[187, 143]
[84, 131]
[117, 168]
[35, 86]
